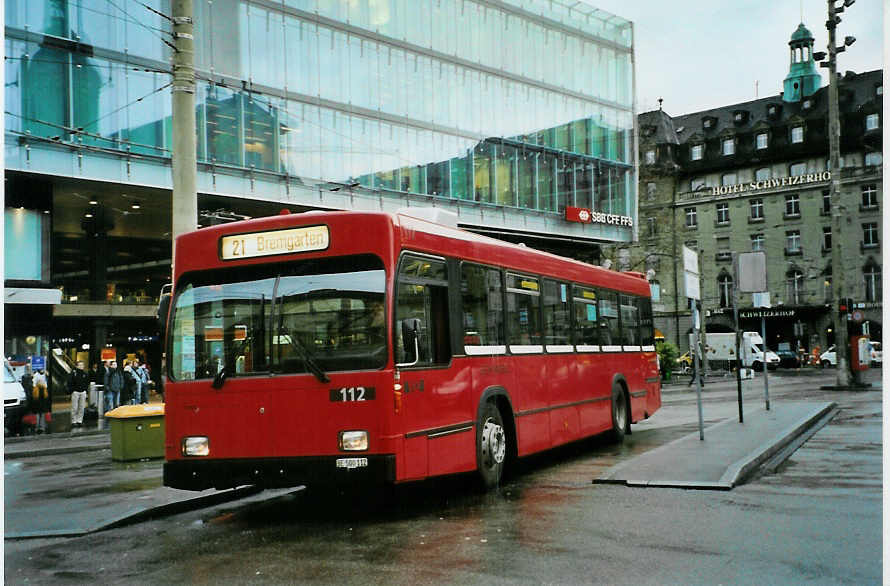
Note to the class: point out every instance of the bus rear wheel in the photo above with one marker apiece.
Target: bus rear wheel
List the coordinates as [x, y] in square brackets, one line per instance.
[620, 414]
[491, 446]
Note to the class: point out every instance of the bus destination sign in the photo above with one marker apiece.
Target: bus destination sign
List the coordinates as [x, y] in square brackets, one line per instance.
[274, 242]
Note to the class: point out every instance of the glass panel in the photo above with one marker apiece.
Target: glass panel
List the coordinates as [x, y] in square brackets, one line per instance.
[526, 170]
[505, 178]
[224, 125]
[557, 322]
[483, 311]
[546, 188]
[523, 310]
[584, 304]
[630, 321]
[482, 171]
[260, 133]
[610, 332]
[328, 309]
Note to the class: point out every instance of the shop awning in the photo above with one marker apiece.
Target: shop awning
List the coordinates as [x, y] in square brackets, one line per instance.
[33, 296]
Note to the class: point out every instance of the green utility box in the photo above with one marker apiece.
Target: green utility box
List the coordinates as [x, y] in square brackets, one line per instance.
[137, 432]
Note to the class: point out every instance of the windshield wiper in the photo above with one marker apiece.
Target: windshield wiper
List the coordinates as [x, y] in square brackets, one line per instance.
[305, 354]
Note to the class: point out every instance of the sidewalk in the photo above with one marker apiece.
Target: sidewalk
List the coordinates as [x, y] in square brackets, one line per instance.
[730, 452]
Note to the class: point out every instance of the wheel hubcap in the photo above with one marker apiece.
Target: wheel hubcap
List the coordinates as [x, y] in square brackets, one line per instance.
[494, 445]
[620, 413]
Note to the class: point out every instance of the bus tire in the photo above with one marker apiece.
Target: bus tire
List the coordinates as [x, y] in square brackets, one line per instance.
[620, 414]
[491, 445]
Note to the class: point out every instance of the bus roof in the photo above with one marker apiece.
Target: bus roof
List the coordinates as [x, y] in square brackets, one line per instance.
[200, 249]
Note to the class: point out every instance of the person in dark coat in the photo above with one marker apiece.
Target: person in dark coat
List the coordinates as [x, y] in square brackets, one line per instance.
[78, 384]
[114, 386]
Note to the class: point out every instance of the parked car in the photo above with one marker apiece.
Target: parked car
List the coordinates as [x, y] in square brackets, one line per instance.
[828, 358]
[788, 359]
[876, 355]
[14, 400]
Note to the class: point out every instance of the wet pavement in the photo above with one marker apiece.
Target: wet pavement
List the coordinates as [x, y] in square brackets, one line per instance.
[65, 483]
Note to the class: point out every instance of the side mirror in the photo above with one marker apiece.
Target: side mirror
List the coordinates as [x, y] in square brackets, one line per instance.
[164, 309]
[410, 344]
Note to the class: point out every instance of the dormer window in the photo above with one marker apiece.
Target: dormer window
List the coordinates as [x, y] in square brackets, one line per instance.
[709, 122]
[740, 116]
[728, 146]
[650, 157]
[696, 152]
[773, 111]
[879, 90]
[796, 134]
[762, 140]
[872, 122]
[807, 104]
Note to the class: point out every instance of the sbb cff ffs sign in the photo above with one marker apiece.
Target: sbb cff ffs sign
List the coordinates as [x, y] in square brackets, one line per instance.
[586, 216]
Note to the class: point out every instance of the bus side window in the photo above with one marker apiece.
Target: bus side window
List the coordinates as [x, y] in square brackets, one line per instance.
[422, 293]
[647, 335]
[610, 332]
[630, 321]
[557, 318]
[523, 311]
[584, 304]
[482, 306]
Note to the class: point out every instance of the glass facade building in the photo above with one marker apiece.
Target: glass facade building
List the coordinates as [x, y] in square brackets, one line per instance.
[516, 104]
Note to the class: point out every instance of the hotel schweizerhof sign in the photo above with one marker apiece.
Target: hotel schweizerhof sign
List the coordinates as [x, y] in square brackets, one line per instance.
[755, 186]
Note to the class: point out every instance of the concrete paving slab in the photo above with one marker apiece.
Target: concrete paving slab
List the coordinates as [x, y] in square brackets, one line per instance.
[730, 452]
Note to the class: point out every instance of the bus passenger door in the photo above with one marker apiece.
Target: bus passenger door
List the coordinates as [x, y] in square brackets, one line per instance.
[422, 356]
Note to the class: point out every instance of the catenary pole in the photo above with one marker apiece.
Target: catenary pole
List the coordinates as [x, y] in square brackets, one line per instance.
[185, 197]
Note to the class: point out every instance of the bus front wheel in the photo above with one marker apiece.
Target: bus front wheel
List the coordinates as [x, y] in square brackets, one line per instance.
[620, 414]
[491, 445]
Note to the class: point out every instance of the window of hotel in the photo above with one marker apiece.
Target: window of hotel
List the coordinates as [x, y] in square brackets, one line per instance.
[872, 275]
[756, 209]
[652, 224]
[757, 242]
[724, 289]
[728, 146]
[722, 213]
[792, 205]
[794, 286]
[826, 202]
[762, 140]
[691, 244]
[697, 152]
[650, 157]
[869, 195]
[761, 174]
[872, 122]
[792, 242]
[826, 238]
[651, 190]
[729, 179]
[797, 169]
[873, 159]
[796, 134]
[870, 234]
[691, 218]
[723, 251]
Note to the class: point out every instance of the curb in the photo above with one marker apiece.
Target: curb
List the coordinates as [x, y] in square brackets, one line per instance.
[56, 451]
[739, 471]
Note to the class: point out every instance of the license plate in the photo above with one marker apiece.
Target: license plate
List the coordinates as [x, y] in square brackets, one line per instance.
[351, 463]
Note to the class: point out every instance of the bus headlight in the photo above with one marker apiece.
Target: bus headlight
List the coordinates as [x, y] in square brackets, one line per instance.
[353, 441]
[196, 446]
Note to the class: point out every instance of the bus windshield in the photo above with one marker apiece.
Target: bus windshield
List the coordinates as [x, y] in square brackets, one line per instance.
[321, 314]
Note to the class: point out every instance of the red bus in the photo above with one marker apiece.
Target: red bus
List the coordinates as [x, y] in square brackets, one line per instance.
[352, 347]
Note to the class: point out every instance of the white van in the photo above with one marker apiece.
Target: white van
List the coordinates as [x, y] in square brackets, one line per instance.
[14, 400]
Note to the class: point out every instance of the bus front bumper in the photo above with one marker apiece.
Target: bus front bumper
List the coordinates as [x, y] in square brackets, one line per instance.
[370, 469]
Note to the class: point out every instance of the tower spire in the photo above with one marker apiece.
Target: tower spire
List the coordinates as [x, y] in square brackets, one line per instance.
[803, 79]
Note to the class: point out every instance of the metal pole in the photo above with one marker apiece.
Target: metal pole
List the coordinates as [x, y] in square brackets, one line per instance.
[185, 198]
[837, 269]
[765, 369]
[698, 372]
[738, 335]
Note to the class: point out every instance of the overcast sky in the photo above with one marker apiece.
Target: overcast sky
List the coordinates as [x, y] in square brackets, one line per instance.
[699, 54]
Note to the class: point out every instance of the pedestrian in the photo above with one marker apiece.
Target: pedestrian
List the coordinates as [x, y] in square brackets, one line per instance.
[142, 375]
[78, 384]
[693, 373]
[114, 384]
[40, 403]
